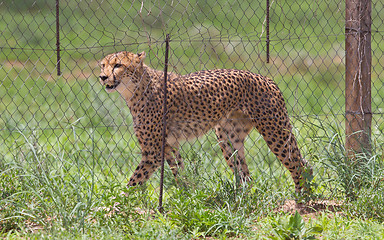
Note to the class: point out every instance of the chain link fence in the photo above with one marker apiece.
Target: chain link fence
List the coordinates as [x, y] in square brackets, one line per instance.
[61, 123]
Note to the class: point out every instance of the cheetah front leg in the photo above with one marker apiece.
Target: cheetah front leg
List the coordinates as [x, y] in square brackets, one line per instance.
[148, 165]
[151, 161]
[174, 160]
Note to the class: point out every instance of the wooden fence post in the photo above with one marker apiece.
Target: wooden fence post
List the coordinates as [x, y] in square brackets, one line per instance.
[358, 111]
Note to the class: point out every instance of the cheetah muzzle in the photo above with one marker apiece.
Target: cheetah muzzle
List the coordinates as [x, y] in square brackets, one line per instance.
[232, 102]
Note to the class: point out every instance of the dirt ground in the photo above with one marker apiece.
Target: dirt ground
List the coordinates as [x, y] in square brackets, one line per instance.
[311, 209]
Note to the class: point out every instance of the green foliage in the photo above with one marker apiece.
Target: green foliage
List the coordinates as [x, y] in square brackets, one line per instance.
[369, 203]
[226, 209]
[362, 172]
[293, 228]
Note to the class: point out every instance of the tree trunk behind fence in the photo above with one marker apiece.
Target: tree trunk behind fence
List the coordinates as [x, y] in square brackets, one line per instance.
[358, 76]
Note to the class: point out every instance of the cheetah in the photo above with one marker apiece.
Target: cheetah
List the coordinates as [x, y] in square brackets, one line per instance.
[232, 102]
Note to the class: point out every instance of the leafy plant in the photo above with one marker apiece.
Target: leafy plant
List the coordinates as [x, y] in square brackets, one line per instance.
[293, 228]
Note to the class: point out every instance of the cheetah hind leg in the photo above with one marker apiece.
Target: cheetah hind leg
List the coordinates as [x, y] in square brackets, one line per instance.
[282, 142]
[231, 133]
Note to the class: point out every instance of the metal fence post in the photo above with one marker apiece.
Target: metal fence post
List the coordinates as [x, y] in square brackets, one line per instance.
[160, 208]
[358, 111]
[58, 38]
[267, 30]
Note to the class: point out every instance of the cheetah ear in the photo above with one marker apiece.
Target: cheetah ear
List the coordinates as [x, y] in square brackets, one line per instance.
[141, 56]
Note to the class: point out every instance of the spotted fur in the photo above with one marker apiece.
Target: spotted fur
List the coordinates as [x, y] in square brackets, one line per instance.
[233, 102]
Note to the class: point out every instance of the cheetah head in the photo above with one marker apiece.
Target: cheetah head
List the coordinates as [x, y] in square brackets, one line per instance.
[120, 70]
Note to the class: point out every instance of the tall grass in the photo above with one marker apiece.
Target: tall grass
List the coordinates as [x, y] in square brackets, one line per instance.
[52, 192]
[45, 192]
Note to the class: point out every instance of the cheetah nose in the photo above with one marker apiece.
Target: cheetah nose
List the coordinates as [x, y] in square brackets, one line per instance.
[103, 78]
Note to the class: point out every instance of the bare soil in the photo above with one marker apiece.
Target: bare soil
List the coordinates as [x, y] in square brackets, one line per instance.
[311, 209]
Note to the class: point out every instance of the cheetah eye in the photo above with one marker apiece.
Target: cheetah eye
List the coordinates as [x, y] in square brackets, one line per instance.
[103, 65]
[117, 65]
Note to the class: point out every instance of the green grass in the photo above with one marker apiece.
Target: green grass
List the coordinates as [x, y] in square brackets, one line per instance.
[68, 148]
[72, 188]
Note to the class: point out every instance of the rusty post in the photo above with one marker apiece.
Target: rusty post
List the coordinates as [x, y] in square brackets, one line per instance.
[358, 111]
[58, 38]
[267, 30]
[160, 208]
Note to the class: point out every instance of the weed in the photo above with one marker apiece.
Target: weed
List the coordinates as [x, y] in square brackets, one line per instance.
[293, 227]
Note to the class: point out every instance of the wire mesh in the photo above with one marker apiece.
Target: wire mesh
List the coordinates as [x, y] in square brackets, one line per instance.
[68, 127]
